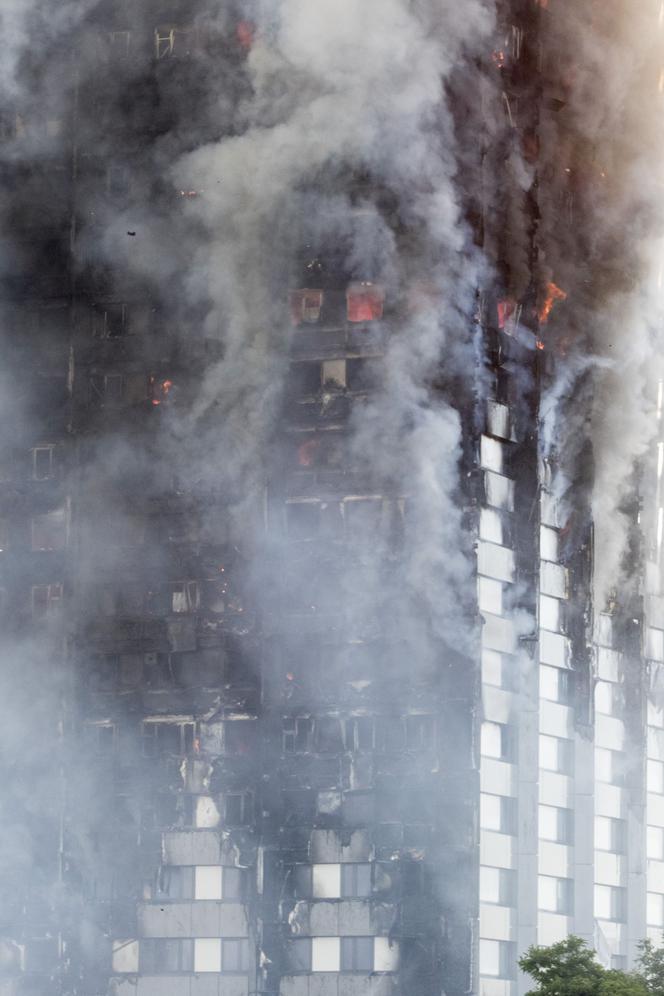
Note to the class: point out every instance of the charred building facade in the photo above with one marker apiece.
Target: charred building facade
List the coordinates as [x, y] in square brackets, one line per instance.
[314, 681]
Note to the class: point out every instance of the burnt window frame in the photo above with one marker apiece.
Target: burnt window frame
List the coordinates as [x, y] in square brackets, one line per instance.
[305, 745]
[50, 449]
[187, 736]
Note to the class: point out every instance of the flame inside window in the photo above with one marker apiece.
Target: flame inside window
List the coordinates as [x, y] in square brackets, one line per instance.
[159, 390]
[364, 302]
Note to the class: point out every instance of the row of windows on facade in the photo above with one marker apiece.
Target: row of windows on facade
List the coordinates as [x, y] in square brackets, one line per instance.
[323, 734]
[498, 741]
[116, 389]
[498, 813]
[213, 882]
[183, 597]
[498, 959]
[161, 956]
[307, 380]
[166, 956]
[203, 882]
[40, 463]
[361, 520]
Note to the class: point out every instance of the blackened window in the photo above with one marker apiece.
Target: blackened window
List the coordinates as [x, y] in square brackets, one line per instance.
[42, 462]
[238, 808]
[360, 733]
[239, 737]
[297, 734]
[168, 738]
[419, 732]
[328, 735]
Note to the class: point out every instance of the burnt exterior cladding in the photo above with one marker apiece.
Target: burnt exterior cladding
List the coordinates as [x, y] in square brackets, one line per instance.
[241, 798]
[227, 771]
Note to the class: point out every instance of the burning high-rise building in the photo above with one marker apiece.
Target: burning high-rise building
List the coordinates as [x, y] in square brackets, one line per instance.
[330, 493]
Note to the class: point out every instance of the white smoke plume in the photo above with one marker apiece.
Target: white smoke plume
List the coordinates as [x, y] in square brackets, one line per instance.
[601, 146]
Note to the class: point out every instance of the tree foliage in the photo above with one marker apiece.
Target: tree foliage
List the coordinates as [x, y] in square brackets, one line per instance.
[569, 968]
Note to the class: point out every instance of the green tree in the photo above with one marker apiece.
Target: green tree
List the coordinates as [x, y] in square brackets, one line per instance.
[651, 965]
[568, 968]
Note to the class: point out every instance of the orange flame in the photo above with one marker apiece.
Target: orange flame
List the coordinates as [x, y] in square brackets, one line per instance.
[553, 294]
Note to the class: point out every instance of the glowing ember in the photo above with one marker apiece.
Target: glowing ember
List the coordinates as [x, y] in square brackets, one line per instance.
[498, 59]
[506, 310]
[245, 34]
[553, 294]
[160, 390]
[306, 452]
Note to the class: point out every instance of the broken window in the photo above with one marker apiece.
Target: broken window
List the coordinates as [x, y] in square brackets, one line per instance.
[43, 462]
[100, 738]
[238, 808]
[118, 44]
[362, 375]
[46, 600]
[110, 321]
[49, 531]
[328, 735]
[360, 733]
[304, 380]
[364, 302]
[297, 735]
[107, 389]
[185, 596]
[419, 732]
[174, 737]
[176, 42]
[305, 306]
[239, 737]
